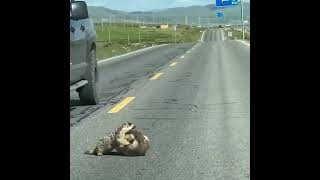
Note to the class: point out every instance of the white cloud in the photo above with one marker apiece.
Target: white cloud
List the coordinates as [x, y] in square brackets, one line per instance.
[178, 3]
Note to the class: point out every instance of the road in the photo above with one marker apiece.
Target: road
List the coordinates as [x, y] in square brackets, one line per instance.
[196, 114]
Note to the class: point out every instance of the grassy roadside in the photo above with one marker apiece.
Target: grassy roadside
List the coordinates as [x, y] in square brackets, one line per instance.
[237, 34]
[119, 36]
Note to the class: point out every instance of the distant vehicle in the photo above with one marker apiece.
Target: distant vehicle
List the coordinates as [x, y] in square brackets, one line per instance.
[83, 62]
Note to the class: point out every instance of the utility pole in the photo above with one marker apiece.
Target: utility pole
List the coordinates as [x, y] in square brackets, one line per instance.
[109, 34]
[139, 36]
[186, 20]
[128, 39]
[138, 21]
[102, 24]
[153, 19]
[242, 19]
[175, 30]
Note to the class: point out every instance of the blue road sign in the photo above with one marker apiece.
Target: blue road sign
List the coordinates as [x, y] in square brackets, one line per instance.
[226, 2]
[219, 14]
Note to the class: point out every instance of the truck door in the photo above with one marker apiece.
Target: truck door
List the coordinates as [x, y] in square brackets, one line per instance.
[78, 50]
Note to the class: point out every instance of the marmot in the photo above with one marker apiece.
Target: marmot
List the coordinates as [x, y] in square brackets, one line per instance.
[126, 140]
[114, 140]
[139, 144]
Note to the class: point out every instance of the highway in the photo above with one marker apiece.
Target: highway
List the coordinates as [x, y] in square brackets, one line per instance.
[191, 100]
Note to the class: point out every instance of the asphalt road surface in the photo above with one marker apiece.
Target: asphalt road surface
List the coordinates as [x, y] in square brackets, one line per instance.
[196, 113]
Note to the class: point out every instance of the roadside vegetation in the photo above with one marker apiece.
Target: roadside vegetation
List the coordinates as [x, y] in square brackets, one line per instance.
[236, 34]
[124, 38]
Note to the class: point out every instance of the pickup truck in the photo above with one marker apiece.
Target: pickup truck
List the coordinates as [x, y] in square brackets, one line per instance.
[83, 62]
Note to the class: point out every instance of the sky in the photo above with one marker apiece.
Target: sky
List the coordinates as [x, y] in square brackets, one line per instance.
[145, 5]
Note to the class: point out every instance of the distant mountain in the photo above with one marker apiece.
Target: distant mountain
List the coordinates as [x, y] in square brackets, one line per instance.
[207, 10]
[141, 13]
[156, 10]
[176, 15]
[97, 12]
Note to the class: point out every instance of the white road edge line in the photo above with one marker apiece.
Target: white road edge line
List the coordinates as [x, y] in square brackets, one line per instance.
[222, 35]
[202, 35]
[133, 52]
[243, 42]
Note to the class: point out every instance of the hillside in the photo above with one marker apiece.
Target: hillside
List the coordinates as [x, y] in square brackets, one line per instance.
[174, 15]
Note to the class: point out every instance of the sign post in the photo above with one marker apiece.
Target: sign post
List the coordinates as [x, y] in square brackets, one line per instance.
[219, 15]
[242, 19]
[221, 3]
[226, 2]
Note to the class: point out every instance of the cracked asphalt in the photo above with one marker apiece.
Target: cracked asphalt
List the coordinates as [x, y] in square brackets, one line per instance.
[196, 114]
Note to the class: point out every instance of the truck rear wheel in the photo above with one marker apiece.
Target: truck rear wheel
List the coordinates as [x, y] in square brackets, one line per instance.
[89, 93]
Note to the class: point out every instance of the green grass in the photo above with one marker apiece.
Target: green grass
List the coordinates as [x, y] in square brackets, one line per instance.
[148, 36]
[238, 35]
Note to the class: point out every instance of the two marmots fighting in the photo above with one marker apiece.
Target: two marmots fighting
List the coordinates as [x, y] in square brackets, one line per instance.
[126, 140]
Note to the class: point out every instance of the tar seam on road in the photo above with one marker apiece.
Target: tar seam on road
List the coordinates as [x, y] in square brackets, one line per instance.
[133, 52]
[174, 63]
[121, 105]
[156, 76]
[212, 35]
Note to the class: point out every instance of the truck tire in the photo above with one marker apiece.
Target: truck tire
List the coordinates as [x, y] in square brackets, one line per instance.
[89, 93]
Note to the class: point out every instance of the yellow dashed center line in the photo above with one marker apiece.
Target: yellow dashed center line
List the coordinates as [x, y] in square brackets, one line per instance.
[121, 105]
[156, 76]
[172, 64]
